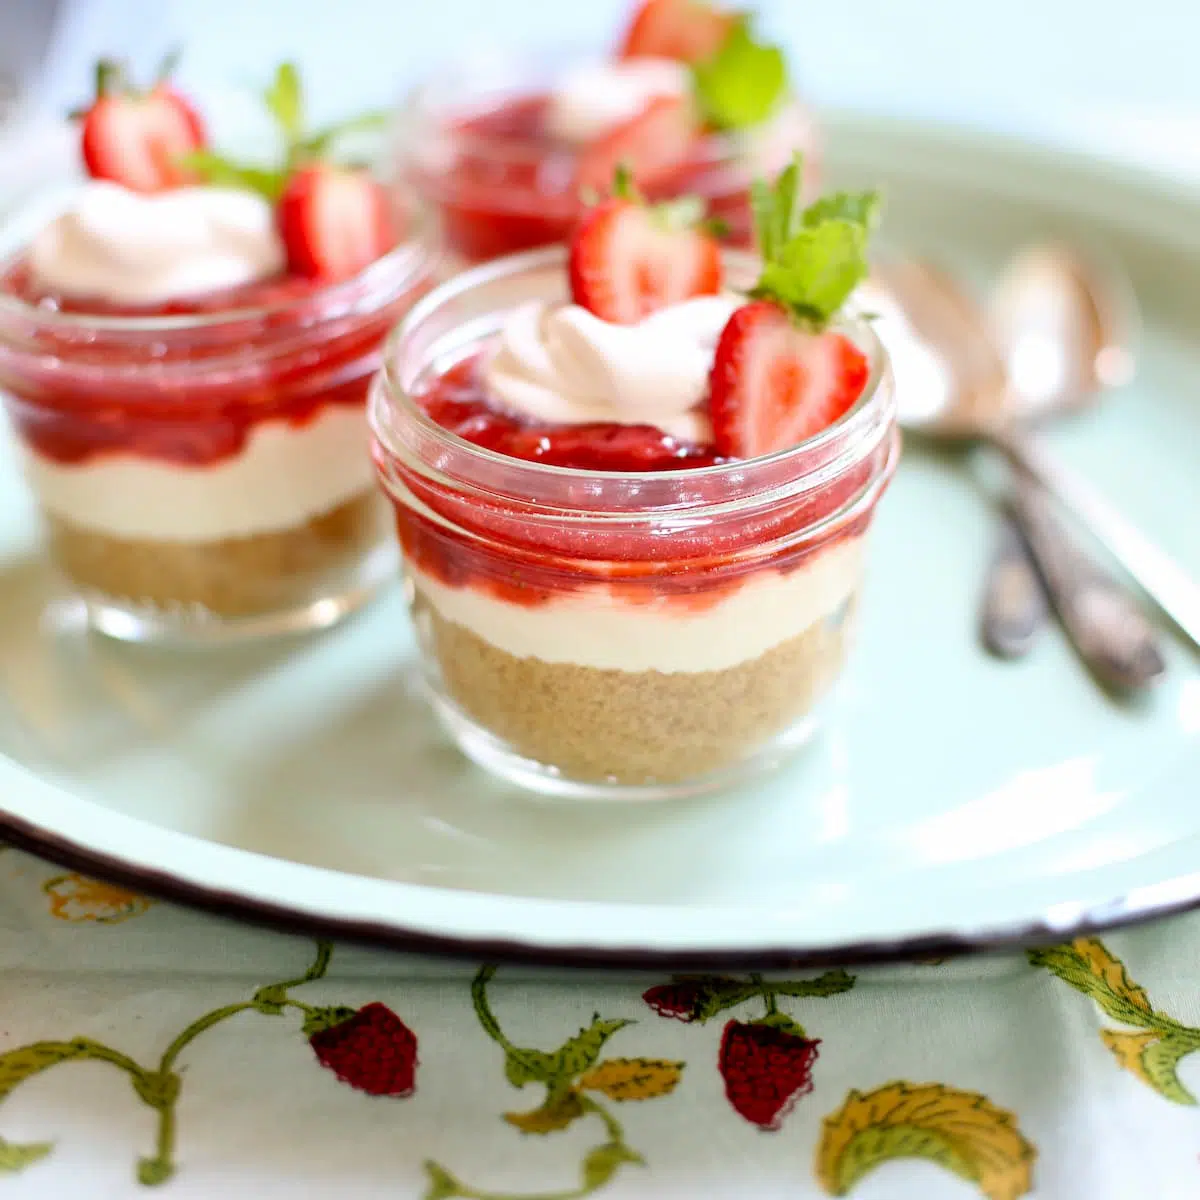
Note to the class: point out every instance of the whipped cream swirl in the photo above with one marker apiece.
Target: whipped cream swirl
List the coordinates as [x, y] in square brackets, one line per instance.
[564, 366]
[596, 97]
[127, 248]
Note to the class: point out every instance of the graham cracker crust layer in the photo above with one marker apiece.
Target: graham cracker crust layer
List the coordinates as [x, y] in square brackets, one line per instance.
[234, 577]
[635, 727]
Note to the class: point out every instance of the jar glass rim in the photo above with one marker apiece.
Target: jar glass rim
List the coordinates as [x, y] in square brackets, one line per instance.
[527, 70]
[392, 400]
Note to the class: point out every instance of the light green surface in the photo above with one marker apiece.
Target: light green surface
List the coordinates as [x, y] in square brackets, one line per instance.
[951, 795]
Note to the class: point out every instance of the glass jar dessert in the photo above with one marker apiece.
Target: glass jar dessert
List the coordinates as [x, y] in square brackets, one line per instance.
[633, 569]
[505, 148]
[186, 369]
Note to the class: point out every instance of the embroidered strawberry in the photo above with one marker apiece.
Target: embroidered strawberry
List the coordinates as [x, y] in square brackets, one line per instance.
[629, 259]
[687, 30]
[371, 1049]
[334, 221]
[779, 373]
[139, 139]
[681, 1001]
[652, 145]
[766, 1068]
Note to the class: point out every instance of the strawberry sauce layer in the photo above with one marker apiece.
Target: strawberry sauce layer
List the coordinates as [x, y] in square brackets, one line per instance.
[521, 555]
[191, 395]
[511, 185]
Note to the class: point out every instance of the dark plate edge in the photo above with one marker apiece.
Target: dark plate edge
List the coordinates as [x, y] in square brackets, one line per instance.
[62, 851]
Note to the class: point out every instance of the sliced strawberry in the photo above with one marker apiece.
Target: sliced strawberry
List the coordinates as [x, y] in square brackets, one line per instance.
[334, 221]
[774, 384]
[651, 145]
[688, 30]
[626, 262]
[139, 139]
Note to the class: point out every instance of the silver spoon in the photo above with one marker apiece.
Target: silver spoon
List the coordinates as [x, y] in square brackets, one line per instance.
[953, 385]
[1066, 327]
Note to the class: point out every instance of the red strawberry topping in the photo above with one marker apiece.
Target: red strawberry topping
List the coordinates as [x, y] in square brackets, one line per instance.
[628, 261]
[334, 221]
[139, 139]
[652, 146]
[372, 1050]
[774, 384]
[766, 1070]
[688, 30]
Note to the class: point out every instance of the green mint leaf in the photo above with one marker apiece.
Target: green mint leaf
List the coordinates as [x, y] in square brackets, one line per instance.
[285, 101]
[167, 67]
[225, 172]
[742, 83]
[860, 208]
[623, 186]
[815, 271]
[777, 208]
[321, 142]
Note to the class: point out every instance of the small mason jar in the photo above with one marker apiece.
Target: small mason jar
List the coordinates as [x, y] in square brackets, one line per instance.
[626, 635]
[205, 475]
[468, 143]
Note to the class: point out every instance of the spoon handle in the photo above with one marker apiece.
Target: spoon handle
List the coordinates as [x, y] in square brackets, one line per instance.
[1013, 609]
[1175, 593]
[1107, 628]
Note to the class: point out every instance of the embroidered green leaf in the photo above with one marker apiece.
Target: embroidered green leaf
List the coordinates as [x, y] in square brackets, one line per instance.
[698, 998]
[633, 1078]
[442, 1185]
[522, 1066]
[560, 1108]
[602, 1163]
[1088, 967]
[829, 984]
[1154, 1059]
[962, 1132]
[16, 1157]
[318, 1020]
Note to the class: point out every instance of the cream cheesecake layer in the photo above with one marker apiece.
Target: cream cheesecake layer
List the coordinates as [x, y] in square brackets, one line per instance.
[594, 628]
[284, 476]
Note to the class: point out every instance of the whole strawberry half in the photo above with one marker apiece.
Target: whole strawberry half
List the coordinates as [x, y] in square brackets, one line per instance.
[628, 260]
[334, 221]
[766, 1069]
[775, 384]
[652, 146]
[371, 1050]
[139, 139]
[688, 30]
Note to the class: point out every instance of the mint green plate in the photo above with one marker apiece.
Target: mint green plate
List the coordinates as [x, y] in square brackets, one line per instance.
[953, 802]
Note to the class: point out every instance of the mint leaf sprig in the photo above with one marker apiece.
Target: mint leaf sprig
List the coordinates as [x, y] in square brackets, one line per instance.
[681, 212]
[813, 258]
[743, 82]
[284, 100]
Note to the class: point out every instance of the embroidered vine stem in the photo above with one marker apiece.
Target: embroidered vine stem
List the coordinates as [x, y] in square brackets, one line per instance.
[158, 1088]
[566, 1075]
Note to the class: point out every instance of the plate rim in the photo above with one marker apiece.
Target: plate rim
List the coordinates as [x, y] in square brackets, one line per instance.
[1173, 895]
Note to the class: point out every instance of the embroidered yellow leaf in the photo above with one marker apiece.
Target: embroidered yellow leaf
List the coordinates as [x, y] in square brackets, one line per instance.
[962, 1132]
[14, 1157]
[557, 1112]
[1154, 1059]
[1088, 967]
[633, 1078]
[1111, 971]
[77, 898]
